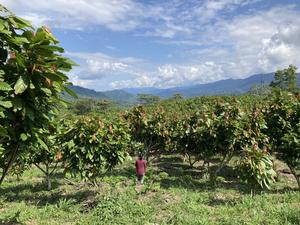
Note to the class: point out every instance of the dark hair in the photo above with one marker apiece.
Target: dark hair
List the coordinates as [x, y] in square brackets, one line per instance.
[140, 156]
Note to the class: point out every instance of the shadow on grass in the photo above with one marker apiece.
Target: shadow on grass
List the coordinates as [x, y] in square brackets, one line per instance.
[175, 167]
[128, 172]
[282, 190]
[182, 175]
[37, 194]
[293, 219]
[43, 197]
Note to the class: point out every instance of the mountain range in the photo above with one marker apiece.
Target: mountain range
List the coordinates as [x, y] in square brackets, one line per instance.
[222, 87]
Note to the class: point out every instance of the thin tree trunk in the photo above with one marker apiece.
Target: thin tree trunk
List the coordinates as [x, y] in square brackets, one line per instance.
[296, 176]
[47, 174]
[10, 162]
[298, 181]
[191, 162]
[48, 178]
[225, 160]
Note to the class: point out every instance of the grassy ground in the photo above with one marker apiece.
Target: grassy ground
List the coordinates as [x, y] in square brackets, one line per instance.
[173, 194]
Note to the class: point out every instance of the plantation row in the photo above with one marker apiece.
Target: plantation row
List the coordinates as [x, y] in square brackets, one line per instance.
[224, 128]
[253, 129]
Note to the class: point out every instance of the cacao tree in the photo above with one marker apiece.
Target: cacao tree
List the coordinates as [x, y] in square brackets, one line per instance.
[31, 80]
[283, 119]
[91, 145]
[46, 154]
[150, 129]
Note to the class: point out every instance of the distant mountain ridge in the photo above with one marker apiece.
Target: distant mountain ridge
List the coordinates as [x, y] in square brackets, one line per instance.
[222, 87]
[114, 95]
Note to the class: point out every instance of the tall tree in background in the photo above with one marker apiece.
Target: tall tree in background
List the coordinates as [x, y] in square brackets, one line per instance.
[31, 80]
[148, 99]
[285, 79]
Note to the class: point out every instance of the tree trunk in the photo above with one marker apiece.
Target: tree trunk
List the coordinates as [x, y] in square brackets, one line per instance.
[10, 162]
[48, 179]
[49, 187]
[225, 160]
[296, 176]
[191, 162]
[298, 181]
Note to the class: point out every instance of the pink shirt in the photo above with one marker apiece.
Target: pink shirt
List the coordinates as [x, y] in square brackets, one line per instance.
[140, 166]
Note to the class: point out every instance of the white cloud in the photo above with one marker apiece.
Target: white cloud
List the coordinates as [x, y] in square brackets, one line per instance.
[171, 75]
[165, 19]
[258, 42]
[142, 81]
[281, 49]
[95, 66]
[79, 14]
[98, 67]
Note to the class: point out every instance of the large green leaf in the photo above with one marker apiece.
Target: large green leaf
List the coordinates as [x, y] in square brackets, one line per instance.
[6, 104]
[21, 85]
[21, 22]
[20, 40]
[52, 48]
[54, 76]
[4, 86]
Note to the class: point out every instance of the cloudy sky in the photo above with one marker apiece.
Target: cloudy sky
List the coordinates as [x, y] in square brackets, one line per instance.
[167, 43]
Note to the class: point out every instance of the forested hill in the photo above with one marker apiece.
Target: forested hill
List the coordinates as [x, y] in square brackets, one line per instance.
[114, 95]
[222, 87]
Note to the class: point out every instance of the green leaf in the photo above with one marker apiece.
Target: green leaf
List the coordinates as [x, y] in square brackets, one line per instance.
[3, 131]
[21, 85]
[20, 40]
[40, 36]
[4, 86]
[21, 22]
[47, 91]
[23, 137]
[6, 104]
[42, 143]
[2, 25]
[52, 48]
[31, 86]
[70, 92]
[54, 76]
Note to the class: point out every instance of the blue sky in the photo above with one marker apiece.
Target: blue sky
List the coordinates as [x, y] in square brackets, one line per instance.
[167, 43]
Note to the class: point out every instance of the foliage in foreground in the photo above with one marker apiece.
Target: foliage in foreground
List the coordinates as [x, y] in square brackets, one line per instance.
[31, 79]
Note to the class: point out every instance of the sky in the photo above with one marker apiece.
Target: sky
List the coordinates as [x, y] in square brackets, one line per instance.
[168, 43]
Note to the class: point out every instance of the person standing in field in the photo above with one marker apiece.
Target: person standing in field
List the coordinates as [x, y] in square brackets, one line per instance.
[140, 167]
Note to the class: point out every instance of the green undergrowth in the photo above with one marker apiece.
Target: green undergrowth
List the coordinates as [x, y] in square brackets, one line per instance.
[173, 193]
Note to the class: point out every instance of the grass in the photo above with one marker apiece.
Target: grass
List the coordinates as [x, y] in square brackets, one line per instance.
[173, 194]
